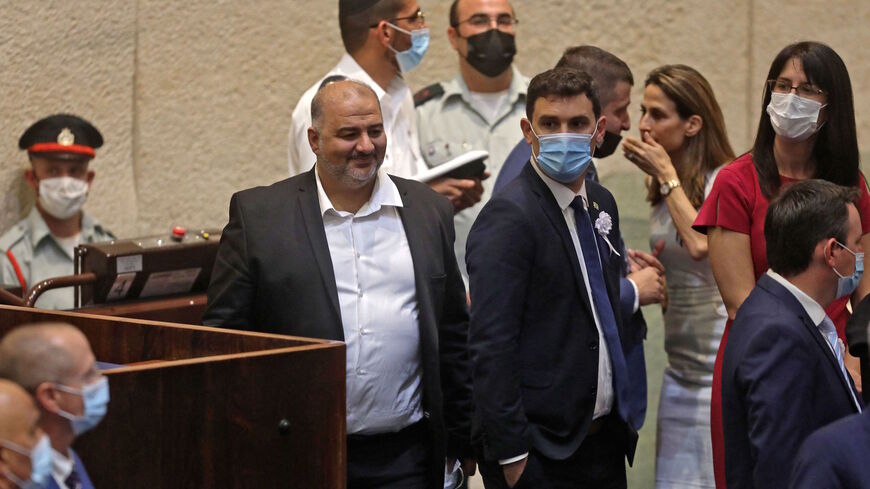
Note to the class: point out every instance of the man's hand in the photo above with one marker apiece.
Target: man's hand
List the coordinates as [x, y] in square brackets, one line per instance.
[650, 285]
[513, 471]
[462, 193]
[638, 260]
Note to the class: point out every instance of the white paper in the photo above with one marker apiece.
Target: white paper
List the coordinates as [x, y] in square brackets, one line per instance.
[171, 282]
[131, 263]
[449, 166]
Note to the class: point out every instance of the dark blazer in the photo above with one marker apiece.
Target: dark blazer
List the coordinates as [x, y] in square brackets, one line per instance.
[836, 456]
[274, 273]
[780, 382]
[532, 337]
[634, 356]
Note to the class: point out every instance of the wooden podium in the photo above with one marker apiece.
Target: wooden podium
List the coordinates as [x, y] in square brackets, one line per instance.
[198, 407]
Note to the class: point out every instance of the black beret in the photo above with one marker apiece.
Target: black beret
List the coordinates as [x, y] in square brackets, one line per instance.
[353, 7]
[64, 135]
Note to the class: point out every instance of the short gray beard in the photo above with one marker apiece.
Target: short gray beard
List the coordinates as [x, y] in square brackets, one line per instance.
[341, 174]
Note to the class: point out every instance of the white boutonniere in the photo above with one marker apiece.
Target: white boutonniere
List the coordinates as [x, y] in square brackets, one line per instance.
[603, 225]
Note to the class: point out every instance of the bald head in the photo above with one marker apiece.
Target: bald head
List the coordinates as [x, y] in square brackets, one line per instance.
[333, 93]
[44, 352]
[18, 413]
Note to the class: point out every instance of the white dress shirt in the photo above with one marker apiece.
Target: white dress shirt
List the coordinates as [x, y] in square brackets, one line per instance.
[817, 315]
[400, 124]
[374, 275]
[61, 468]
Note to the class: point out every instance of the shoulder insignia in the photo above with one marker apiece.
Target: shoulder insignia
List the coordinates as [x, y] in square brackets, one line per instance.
[431, 92]
[12, 237]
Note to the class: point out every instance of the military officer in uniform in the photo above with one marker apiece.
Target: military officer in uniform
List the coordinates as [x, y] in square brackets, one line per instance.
[482, 106]
[40, 246]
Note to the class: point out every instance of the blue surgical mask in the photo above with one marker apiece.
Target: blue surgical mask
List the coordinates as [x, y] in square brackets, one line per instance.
[95, 397]
[40, 463]
[847, 284]
[411, 58]
[564, 156]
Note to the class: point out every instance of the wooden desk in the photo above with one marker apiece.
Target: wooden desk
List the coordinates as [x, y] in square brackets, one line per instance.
[211, 408]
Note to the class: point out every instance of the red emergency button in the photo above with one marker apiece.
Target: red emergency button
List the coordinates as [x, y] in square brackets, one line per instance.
[178, 233]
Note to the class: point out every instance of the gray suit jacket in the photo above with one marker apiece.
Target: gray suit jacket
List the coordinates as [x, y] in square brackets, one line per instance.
[273, 273]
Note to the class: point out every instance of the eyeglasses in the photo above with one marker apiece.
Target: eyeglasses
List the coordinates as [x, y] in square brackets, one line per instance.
[417, 18]
[481, 21]
[783, 85]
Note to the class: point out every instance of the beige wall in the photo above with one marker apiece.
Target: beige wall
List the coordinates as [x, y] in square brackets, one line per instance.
[194, 97]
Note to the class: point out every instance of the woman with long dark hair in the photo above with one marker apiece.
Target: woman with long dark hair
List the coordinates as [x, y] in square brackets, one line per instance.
[807, 130]
[683, 146]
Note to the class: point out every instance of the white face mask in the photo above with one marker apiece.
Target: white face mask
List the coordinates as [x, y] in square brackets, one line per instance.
[794, 117]
[62, 197]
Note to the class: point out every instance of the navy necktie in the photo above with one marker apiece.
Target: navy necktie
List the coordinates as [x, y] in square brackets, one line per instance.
[602, 305]
[73, 481]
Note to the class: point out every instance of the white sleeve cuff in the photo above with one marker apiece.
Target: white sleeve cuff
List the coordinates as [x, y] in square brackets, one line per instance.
[636, 304]
[511, 460]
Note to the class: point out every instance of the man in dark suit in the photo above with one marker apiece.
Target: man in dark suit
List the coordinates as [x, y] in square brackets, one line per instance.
[346, 252]
[550, 378]
[782, 373]
[642, 276]
[54, 362]
[835, 457]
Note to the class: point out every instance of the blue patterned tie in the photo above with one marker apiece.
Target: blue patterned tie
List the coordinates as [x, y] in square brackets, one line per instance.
[830, 332]
[602, 305]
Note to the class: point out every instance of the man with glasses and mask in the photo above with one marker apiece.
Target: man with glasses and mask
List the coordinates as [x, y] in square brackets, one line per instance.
[54, 362]
[25, 452]
[550, 382]
[383, 39]
[60, 148]
[479, 109]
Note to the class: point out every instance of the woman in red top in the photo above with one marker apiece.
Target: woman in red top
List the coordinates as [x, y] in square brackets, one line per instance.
[807, 130]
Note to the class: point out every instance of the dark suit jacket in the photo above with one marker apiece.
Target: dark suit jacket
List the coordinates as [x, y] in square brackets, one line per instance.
[79, 469]
[836, 456]
[780, 382]
[533, 339]
[634, 356]
[274, 273]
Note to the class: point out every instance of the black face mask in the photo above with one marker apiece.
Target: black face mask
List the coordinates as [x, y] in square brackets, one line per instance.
[491, 52]
[609, 145]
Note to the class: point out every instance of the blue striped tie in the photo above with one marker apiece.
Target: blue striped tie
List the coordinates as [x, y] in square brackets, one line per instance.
[830, 332]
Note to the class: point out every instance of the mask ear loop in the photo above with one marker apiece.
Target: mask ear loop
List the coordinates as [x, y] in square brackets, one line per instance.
[531, 128]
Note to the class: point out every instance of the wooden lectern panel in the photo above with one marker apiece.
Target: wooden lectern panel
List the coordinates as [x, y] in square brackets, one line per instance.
[209, 407]
[184, 309]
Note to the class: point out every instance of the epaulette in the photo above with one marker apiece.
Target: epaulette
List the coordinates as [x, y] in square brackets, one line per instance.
[429, 93]
[12, 237]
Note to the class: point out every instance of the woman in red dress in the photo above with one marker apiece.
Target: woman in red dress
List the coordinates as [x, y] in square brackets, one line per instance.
[807, 130]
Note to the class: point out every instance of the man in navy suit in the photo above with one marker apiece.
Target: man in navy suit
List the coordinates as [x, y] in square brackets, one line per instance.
[642, 278]
[783, 374]
[549, 373]
[835, 457]
[54, 362]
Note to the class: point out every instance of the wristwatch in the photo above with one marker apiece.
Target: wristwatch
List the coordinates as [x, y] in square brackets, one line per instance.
[666, 187]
